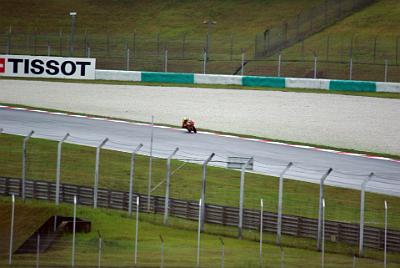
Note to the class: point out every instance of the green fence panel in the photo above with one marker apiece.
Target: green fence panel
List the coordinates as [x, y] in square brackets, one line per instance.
[343, 85]
[254, 81]
[168, 77]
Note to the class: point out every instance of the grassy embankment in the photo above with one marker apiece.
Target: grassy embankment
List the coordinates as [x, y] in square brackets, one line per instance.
[118, 233]
[381, 20]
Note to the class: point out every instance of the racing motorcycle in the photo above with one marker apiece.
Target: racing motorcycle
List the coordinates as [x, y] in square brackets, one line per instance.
[189, 125]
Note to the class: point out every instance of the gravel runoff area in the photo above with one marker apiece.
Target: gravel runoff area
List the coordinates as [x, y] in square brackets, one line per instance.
[361, 123]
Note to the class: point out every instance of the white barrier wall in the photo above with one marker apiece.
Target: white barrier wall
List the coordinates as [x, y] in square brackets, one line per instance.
[118, 75]
[217, 79]
[307, 83]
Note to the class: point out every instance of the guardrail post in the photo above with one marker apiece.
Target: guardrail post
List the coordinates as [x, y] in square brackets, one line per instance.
[37, 250]
[24, 163]
[11, 230]
[127, 58]
[363, 186]
[162, 252]
[58, 171]
[131, 177]
[315, 66]
[203, 191]
[222, 252]
[242, 173]
[321, 198]
[280, 197]
[96, 173]
[167, 185]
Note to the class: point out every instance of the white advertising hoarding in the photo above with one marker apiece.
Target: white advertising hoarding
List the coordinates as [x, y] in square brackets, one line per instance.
[47, 67]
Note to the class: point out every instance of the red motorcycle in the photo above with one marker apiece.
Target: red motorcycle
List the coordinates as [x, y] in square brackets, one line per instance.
[189, 125]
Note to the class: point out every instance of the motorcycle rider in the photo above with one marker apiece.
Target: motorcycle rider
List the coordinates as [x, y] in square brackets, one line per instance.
[189, 125]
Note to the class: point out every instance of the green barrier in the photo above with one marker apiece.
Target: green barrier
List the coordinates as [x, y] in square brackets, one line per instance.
[168, 77]
[254, 81]
[343, 85]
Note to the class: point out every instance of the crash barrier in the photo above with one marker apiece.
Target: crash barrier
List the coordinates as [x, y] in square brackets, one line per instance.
[229, 216]
[253, 81]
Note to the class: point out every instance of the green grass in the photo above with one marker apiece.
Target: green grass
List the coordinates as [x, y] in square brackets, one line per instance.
[300, 198]
[117, 231]
[380, 20]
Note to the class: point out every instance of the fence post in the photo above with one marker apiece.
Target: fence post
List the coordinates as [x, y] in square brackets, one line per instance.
[363, 186]
[375, 41]
[261, 229]
[162, 252]
[134, 44]
[100, 249]
[58, 170]
[222, 252]
[158, 43]
[327, 46]
[203, 192]
[386, 70]
[73, 234]
[96, 174]
[37, 250]
[315, 66]
[351, 69]
[385, 240]
[60, 42]
[279, 64]
[166, 60]
[242, 173]
[150, 164]
[280, 197]
[242, 64]
[198, 232]
[48, 50]
[9, 41]
[11, 230]
[204, 61]
[137, 227]
[231, 48]
[323, 234]
[131, 177]
[127, 58]
[321, 197]
[24, 163]
[183, 45]
[397, 50]
[168, 184]
[88, 52]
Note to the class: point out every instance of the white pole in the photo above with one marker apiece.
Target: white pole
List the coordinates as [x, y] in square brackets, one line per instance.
[204, 62]
[315, 67]
[11, 230]
[280, 197]
[24, 163]
[137, 227]
[279, 65]
[166, 60]
[37, 250]
[386, 70]
[203, 191]
[150, 163]
[168, 185]
[58, 170]
[351, 69]
[97, 171]
[323, 234]
[73, 235]
[162, 252]
[99, 255]
[242, 69]
[198, 235]
[385, 244]
[363, 186]
[242, 173]
[321, 198]
[222, 253]
[261, 230]
[131, 177]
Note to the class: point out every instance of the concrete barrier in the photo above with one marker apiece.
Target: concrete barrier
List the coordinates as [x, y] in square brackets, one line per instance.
[307, 83]
[217, 79]
[118, 75]
[254, 81]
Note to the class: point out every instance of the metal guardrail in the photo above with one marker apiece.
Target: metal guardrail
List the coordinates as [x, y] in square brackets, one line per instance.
[216, 214]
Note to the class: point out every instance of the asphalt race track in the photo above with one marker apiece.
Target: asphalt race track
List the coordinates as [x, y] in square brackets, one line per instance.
[269, 158]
